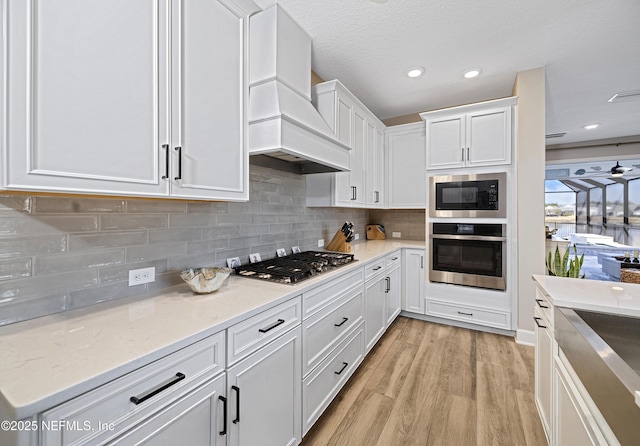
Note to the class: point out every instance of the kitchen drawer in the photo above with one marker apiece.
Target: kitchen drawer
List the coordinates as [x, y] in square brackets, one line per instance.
[326, 380]
[542, 302]
[319, 297]
[393, 259]
[325, 329]
[110, 404]
[249, 335]
[468, 314]
[373, 269]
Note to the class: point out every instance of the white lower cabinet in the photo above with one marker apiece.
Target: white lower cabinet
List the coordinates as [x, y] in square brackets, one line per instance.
[413, 281]
[393, 294]
[264, 395]
[544, 370]
[375, 310]
[325, 381]
[197, 418]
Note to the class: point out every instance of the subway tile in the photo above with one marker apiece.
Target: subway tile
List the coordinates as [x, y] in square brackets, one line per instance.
[15, 268]
[204, 246]
[244, 208]
[280, 227]
[243, 253]
[36, 225]
[120, 273]
[104, 293]
[259, 219]
[133, 221]
[72, 205]
[49, 284]
[165, 280]
[155, 252]
[34, 245]
[178, 264]
[15, 203]
[75, 262]
[272, 208]
[232, 219]
[254, 230]
[12, 311]
[244, 242]
[273, 238]
[156, 207]
[288, 218]
[175, 235]
[99, 240]
[220, 232]
[204, 207]
[192, 220]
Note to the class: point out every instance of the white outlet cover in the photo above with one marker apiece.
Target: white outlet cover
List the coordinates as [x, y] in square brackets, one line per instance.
[141, 276]
[321, 243]
[396, 234]
[356, 237]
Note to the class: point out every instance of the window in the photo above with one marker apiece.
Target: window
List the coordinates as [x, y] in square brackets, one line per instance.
[615, 203]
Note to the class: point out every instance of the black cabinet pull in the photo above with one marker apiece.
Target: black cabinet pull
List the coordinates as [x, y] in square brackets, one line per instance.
[162, 386]
[462, 155]
[179, 177]
[540, 304]
[344, 319]
[465, 314]
[467, 154]
[377, 200]
[237, 419]
[166, 161]
[224, 415]
[353, 192]
[377, 268]
[388, 280]
[536, 319]
[421, 262]
[394, 259]
[272, 326]
[344, 366]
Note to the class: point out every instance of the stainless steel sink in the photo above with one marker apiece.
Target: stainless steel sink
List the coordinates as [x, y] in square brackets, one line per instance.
[604, 350]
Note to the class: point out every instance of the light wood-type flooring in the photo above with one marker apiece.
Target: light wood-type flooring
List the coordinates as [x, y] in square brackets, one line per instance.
[432, 384]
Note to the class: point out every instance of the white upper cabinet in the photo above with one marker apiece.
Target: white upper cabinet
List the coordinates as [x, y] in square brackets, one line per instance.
[126, 98]
[471, 135]
[356, 127]
[406, 177]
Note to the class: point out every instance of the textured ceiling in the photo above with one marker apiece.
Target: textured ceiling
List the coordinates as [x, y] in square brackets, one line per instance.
[591, 50]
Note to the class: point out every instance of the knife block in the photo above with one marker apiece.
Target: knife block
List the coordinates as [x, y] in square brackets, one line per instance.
[339, 243]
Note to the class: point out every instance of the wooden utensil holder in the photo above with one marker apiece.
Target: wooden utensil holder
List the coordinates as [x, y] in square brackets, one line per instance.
[339, 243]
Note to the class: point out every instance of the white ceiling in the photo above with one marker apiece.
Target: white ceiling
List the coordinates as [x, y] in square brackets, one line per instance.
[591, 50]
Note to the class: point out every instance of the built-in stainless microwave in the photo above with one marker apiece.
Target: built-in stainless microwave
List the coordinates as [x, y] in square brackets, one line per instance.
[476, 195]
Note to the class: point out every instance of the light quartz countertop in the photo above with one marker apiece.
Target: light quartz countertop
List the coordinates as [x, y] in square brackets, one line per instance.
[593, 295]
[52, 359]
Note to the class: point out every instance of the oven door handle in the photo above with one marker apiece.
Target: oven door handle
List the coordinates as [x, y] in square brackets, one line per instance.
[481, 238]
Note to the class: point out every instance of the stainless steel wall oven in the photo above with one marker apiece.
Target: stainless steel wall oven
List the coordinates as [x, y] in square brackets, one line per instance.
[468, 254]
[475, 195]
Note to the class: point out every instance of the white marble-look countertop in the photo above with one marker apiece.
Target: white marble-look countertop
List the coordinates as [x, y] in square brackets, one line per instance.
[52, 359]
[594, 295]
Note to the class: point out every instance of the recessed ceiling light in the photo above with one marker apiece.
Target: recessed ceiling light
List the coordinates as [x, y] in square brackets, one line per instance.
[473, 72]
[591, 126]
[415, 71]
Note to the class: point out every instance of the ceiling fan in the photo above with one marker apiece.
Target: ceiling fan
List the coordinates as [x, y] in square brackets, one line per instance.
[597, 171]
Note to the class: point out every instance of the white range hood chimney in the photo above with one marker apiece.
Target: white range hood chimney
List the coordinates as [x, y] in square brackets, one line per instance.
[283, 123]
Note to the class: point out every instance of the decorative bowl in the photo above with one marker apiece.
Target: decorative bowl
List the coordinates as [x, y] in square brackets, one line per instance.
[205, 280]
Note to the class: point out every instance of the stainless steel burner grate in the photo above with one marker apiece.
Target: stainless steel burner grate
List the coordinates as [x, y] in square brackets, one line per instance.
[295, 268]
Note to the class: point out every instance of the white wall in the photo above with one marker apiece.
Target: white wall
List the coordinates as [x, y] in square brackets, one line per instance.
[530, 166]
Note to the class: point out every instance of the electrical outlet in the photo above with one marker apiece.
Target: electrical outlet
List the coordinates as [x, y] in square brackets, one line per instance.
[142, 275]
[321, 243]
[356, 236]
[396, 234]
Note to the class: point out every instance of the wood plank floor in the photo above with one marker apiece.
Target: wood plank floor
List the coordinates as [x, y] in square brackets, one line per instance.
[431, 384]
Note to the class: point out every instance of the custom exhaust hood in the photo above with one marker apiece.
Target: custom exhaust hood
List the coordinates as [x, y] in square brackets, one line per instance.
[285, 130]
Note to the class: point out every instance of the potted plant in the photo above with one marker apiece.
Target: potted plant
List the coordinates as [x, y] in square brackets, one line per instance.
[557, 265]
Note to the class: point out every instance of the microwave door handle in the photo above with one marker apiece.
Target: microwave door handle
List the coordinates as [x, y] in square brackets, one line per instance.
[468, 237]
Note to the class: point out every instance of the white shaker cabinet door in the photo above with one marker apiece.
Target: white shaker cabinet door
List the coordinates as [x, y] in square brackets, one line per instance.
[489, 137]
[446, 142]
[87, 86]
[209, 151]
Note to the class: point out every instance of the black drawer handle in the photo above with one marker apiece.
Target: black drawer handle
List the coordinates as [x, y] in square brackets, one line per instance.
[237, 419]
[224, 415]
[344, 366]
[344, 319]
[179, 177]
[163, 386]
[377, 268]
[166, 161]
[272, 326]
[540, 304]
[394, 259]
[465, 314]
[536, 319]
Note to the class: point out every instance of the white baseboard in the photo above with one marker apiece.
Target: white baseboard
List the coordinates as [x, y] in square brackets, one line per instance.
[526, 337]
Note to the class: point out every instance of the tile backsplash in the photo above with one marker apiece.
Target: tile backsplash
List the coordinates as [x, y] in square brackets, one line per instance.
[59, 253]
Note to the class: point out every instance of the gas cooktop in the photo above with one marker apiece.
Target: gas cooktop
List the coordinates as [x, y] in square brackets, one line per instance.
[295, 268]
